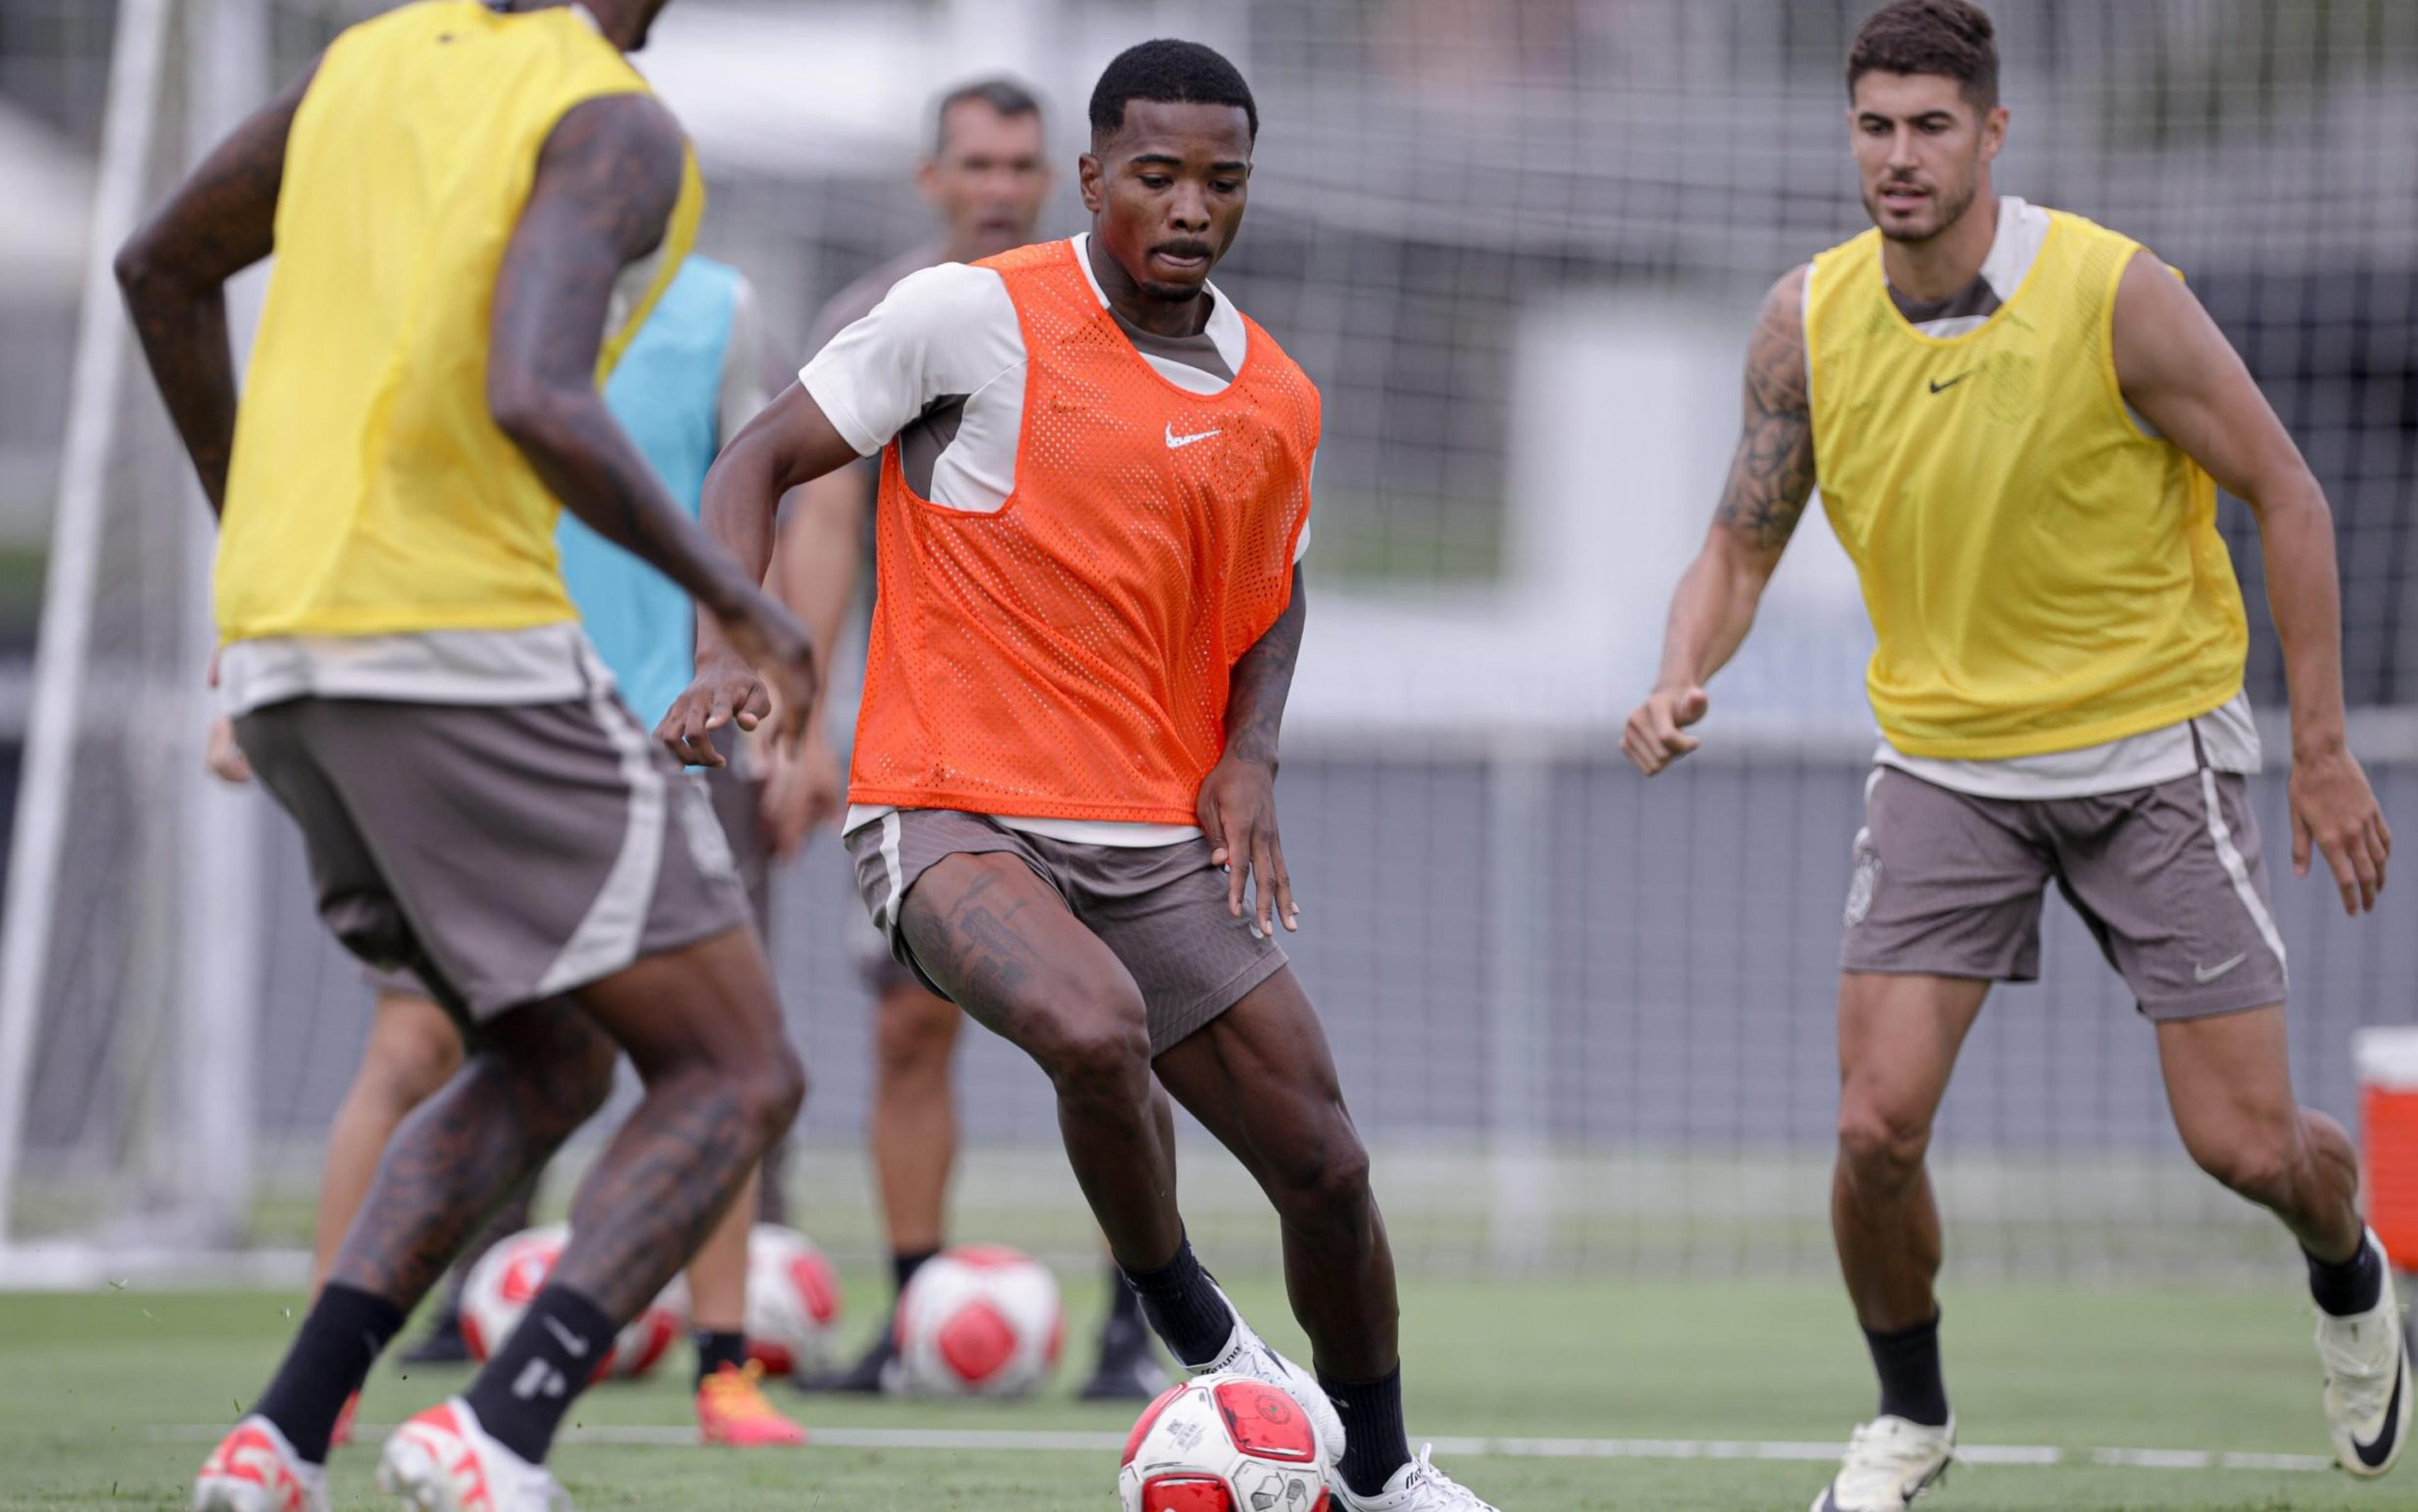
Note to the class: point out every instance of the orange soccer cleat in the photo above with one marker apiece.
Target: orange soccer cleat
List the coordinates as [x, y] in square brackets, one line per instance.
[341, 1433]
[731, 1409]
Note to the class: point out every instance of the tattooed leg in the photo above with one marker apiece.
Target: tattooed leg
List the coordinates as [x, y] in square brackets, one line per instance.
[1005, 947]
[544, 1070]
[703, 1027]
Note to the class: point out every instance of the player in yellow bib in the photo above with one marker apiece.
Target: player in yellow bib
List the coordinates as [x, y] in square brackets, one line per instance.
[454, 197]
[2018, 420]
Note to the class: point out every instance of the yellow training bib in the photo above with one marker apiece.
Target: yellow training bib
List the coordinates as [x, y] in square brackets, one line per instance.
[2041, 574]
[370, 493]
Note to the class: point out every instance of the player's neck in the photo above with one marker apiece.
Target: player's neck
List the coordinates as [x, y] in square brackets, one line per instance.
[1946, 265]
[1160, 317]
[616, 19]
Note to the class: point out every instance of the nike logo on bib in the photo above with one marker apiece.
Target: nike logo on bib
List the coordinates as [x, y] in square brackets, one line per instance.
[1174, 440]
[1938, 388]
[2205, 974]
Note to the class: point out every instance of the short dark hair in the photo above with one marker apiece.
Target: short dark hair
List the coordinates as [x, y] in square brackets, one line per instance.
[1002, 94]
[1951, 38]
[1172, 72]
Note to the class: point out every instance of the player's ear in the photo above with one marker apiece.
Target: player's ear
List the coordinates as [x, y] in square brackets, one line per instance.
[1994, 132]
[1094, 179]
[928, 177]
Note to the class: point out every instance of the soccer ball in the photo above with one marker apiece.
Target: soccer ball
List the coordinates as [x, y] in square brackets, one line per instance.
[981, 1320]
[507, 1278]
[793, 1301]
[1224, 1444]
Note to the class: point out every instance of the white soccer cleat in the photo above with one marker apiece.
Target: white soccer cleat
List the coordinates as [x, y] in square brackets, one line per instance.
[1889, 1462]
[2367, 1358]
[1417, 1487]
[1247, 1354]
[443, 1461]
[256, 1470]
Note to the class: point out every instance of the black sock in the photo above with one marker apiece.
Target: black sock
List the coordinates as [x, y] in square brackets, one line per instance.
[1909, 1363]
[905, 1263]
[715, 1350]
[1374, 1443]
[1184, 1307]
[2353, 1288]
[1125, 1308]
[330, 1357]
[525, 1387]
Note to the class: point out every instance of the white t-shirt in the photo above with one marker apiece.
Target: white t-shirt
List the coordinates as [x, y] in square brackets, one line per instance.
[2227, 737]
[949, 335]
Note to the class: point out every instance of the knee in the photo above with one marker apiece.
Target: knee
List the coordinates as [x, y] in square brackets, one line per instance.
[1104, 1051]
[2259, 1165]
[1324, 1179]
[1880, 1145]
[407, 1065]
[772, 1091]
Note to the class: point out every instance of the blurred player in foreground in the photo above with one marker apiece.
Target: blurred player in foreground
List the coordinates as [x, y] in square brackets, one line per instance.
[988, 178]
[2018, 422]
[690, 375]
[452, 197]
[1063, 777]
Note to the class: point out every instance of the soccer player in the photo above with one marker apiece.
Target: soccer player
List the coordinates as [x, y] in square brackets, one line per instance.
[2018, 420]
[987, 176]
[452, 197]
[1094, 480]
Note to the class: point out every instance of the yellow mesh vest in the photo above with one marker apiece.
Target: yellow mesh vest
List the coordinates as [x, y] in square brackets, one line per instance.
[370, 493]
[2041, 574]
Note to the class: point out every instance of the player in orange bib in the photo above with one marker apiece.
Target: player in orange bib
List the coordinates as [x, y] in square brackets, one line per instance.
[1094, 487]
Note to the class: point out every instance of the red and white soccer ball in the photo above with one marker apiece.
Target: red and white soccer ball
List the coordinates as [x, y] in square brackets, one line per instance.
[983, 1320]
[507, 1277]
[793, 1301]
[1224, 1444]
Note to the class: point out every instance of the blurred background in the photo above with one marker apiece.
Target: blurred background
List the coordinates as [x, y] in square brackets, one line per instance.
[1585, 1023]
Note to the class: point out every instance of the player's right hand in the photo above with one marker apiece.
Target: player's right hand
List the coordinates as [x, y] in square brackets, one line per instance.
[1657, 732]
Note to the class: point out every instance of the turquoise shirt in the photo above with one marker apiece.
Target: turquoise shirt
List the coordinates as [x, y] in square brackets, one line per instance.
[667, 395]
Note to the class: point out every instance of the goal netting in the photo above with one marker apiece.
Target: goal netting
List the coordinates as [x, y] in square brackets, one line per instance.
[1585, 1023]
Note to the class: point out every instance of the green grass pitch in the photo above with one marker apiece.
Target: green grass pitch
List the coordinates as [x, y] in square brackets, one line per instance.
[102, 1398]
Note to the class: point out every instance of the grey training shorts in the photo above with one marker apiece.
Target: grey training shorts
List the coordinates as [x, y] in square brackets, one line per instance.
[1160, 910]
[505, 853]
[2168, 880]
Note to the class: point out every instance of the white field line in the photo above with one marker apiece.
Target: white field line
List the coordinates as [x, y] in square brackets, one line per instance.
[960, 1441]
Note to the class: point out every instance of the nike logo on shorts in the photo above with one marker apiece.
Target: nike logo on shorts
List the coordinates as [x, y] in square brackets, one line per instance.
[2205, 974]
[1174, 440]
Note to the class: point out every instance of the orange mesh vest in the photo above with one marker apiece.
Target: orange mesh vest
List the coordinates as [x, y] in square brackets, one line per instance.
[1067, 656]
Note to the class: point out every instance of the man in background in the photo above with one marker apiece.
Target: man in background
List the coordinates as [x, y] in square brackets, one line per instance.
[987, 178]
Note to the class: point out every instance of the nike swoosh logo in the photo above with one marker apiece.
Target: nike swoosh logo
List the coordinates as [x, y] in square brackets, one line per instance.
[2205, 974]
[2375, 1455]
[1174, 440]
[1939, 388]
[572, 1343]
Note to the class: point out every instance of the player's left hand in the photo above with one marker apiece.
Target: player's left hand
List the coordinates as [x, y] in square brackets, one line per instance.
[726, 689]
[2334, 810]
[1238, 814]
[802, 791]
[219, 753]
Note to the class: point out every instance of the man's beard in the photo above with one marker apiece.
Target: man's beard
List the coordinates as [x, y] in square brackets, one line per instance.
[1950, 211]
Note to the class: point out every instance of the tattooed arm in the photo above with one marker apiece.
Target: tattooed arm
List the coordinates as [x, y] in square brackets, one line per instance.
[606, 183]
[173, 272]
[1238, 798]
[1771, 477]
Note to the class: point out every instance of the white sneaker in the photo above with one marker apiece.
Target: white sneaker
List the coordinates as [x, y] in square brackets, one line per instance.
[1417, 1487]
[1889, 1462]
[443, 1461]
[1247, 1354]
[2368, 1381]
[256, 1470]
